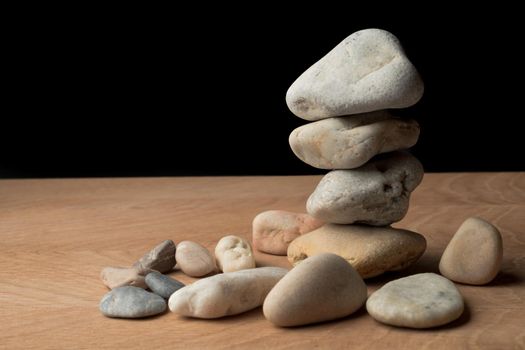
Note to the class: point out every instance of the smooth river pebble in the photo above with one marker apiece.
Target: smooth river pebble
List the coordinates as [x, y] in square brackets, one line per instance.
[131, 302]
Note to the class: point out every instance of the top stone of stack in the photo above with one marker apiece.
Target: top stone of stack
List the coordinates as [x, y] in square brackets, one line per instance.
[367, 71]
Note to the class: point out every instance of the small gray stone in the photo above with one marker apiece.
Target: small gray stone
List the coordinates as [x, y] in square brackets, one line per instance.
[162, 285]
[419, 301]
[376, 193]
[131, 302]
[161, 258]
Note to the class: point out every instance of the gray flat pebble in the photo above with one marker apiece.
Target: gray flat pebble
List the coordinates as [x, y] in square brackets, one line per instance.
[162, 285]
[131, 302]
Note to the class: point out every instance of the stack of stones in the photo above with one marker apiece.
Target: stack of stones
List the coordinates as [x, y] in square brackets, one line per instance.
[346, 95]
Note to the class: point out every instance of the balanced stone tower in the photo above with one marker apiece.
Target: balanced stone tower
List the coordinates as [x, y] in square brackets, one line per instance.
[347, 95]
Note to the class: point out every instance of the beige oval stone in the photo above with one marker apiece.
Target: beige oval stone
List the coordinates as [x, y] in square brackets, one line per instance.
[419, 301]
[161, 258]
[323, 287]
[225, 294]
[194, 259]
[367, 71]
[370, 250]
[234, 253]
[273, 230]
[114, 277]
[376, 193]
[474, 254]
[349, 142]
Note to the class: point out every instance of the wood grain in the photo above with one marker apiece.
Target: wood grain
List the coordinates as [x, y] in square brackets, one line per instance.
[56, 236]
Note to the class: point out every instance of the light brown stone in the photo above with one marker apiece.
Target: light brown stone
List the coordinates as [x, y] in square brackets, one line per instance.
[323, 287]
[349, 142]
[371, 250]
[273, 230]
[114, 277]
[474, 254]
[194, 259]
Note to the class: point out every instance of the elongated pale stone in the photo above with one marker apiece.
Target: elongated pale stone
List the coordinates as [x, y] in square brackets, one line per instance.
[273, 230]
[474, 254]
[349, 142]
[323, 287]
[226, 294]
[234, 253]
[367, 71]
[419, 301]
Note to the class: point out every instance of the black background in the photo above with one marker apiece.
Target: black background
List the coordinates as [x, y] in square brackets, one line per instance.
[90, 92]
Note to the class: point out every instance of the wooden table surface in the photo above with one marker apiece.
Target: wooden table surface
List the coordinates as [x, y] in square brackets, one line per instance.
[56, 236]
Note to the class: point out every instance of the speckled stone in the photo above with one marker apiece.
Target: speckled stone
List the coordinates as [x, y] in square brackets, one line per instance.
[349, 142]
[131, 302]
[419, 301]
[367, 71]
[162, 285]
[376, 193]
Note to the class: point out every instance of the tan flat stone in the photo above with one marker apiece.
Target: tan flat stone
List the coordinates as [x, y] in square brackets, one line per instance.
[371, 250]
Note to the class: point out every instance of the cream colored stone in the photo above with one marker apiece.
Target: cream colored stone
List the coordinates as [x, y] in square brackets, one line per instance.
[367, 71]
[349, 142]
[161, 258]
[474, 254]
[114, 277]
[323, 287]
[371, 250]
[194, 259]
[234, 253]
[273, 230]
[419, 301]
[226, 294]
[376, 193]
